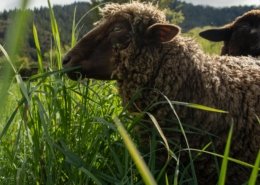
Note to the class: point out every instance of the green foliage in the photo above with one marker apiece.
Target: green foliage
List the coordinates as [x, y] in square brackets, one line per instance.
[173, 16]
[207, 46]
[200, 16]
[223, 171]
[173, 13]
[40, 17]
[38, 48]
[140, 163]
[255, 171]
[55, 131]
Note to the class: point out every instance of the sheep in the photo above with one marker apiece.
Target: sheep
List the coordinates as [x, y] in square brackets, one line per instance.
[241, 37]
[135, 45]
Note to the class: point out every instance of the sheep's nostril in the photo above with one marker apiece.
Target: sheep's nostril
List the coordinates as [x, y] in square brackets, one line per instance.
[66, 60]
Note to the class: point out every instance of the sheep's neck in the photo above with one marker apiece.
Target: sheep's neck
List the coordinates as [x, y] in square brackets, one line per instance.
[166, 71]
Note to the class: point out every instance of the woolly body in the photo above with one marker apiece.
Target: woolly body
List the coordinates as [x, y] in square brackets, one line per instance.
[182, 72]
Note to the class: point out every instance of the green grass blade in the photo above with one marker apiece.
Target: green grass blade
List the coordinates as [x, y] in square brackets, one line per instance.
[184, 134]
[45, 122]
[56, 35]
[7, 125]
[221, 156]
[185, 171]
[5, 84]
[90, 175]
[44, 75]
[8, 59]
[255, 171]
[192, 105]
[38, 48]
[166, 179]
[161, 133]
[176, 173]
[13, 38]
[223, 170]
[73, 30]
[143, 169]
[88, 13]
[23, 88]
[131, 101]
[202, 107]
[70, 156]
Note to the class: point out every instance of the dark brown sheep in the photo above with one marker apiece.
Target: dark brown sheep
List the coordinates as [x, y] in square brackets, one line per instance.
[135, 45]
[241, 37]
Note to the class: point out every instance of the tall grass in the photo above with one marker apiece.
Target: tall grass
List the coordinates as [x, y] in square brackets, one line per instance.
[207, 46]
[55, 131]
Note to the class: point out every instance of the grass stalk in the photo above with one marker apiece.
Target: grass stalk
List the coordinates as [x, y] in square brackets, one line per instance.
[143, 169]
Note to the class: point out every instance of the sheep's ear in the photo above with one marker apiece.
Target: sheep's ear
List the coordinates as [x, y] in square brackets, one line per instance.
[161, 32]
[216, 35]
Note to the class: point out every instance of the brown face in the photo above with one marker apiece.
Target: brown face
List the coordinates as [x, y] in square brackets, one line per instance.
[95, 52]
[246, 35]
[98, 52]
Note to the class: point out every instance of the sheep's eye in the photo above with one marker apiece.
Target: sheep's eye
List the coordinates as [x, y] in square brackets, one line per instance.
[117, 29]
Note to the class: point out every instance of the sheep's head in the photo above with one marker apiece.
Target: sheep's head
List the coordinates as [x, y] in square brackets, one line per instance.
[121, 25]
[242, 37]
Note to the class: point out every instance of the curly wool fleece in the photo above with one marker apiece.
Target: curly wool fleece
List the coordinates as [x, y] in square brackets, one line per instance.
[182, 72]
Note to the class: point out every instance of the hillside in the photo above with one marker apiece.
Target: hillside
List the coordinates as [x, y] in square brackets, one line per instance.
[41, 19]
[195, 16]
[200, 16]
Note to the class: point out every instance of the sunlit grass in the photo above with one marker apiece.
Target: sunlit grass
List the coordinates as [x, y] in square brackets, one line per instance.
[55, 131]
[207, 46]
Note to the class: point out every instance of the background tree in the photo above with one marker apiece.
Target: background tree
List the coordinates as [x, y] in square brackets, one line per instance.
[174, 14]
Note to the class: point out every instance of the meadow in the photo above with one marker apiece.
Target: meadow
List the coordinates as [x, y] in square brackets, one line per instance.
[56, 131]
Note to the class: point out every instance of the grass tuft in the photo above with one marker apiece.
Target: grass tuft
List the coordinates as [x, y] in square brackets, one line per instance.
[55, 131]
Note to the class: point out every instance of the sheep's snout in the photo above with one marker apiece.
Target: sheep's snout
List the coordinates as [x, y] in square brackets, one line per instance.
[66, 60]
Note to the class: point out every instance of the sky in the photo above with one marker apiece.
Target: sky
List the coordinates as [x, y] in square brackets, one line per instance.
[224, 3]
[11, 4]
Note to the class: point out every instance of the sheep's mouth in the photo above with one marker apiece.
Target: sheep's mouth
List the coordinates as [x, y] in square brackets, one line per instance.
[78, 73]
[74, 73]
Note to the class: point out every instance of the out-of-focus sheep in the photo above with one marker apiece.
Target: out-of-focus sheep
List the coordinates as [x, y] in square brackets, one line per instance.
[241, 37]
[135, 45]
